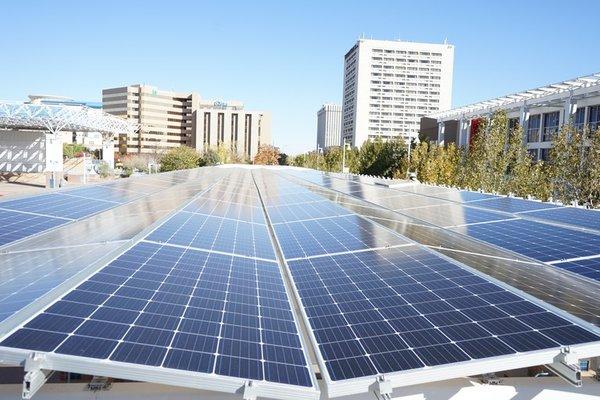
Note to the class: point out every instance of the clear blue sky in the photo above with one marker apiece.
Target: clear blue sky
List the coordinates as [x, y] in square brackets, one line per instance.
[281, 56]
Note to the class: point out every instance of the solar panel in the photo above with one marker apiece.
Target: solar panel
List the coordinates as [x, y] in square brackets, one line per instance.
[305, 211]
[226, 209]
[57, 205]
[16, 225]
[588, 267]
[536, 240]
[26, 277]
[218, 234]
[512, 205]
[464, 196]
[164, 306]
[448, 215]
[580, 217]
[331, 235]
[406, 308]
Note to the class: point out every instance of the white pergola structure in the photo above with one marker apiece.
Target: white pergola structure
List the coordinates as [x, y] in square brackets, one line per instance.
[29, 133]
[562, 96]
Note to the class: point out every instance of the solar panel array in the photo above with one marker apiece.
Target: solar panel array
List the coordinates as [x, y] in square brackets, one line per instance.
[31, 215]
[378, 308]
[545, 232]
[208, 309]
[205, 292]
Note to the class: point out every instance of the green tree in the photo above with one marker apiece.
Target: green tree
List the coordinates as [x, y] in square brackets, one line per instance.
[283, 159]
[71, 150]
[332, 158]
[567, 166]
[183, 157]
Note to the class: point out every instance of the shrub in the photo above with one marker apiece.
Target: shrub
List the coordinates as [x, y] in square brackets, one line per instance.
[183, 157]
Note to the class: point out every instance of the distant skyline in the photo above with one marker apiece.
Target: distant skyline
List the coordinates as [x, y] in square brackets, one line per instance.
[286, 58]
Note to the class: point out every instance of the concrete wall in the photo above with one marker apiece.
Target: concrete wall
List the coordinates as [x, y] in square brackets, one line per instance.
[29, 151]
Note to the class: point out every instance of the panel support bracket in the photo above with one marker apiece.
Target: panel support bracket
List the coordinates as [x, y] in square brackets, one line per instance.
[383, 388]
[35, 374]
[566, 365]
[249, 391]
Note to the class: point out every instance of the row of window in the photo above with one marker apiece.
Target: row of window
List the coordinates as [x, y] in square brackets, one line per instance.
[413, 53]
[545, 126]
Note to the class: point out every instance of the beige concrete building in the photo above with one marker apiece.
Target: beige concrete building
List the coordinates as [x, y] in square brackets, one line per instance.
[172, 119]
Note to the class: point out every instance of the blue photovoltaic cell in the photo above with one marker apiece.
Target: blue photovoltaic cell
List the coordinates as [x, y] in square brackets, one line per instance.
[405, 308]
[231, 210]
[512, 205]
[16, 225]
[448, 215]
[590, 267]
[58, 205]
[305, 211]
[540, 241]
[331, 235]
[178, 308]
[215, 233]
[580, 217]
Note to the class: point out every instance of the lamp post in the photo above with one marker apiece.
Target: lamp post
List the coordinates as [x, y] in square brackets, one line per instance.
[344, 156]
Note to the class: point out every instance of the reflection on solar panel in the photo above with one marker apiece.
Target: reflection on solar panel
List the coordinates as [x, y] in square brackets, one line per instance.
[332, 235]
[177, 308]
[215, 233]
[303, 211]
[536, 240]
[512, 205]
[580, 217]
[448, 215]
[463, 196]
[200, 299]
[27, 277]
[589, 267]
[17, 225]
[58, 205]
[405, 308]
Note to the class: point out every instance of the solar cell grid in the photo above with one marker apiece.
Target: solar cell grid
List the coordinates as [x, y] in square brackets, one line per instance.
[463, 196]
[589, 267]
[58, 205]
[331, 235]
[238, 211]
[448, 215]
[512, 205]
[229, 317]
[395, 309]
[18, 225]
[583, 218]
[305, 211]
[536, 240]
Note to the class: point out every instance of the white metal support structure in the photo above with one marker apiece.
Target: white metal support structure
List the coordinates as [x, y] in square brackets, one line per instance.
[53, 119]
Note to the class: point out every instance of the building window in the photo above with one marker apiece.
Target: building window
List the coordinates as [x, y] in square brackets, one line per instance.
[248, 135]
[594, 118]
[545, 155]
[234, 130]
[533, 129]
[220, 128]
[550, 128]
[579, 120]
[207, 128]
[533, 153]
[513, 123]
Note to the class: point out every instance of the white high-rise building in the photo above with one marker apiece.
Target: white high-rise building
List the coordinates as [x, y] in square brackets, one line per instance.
[389, 85]
[329, 126]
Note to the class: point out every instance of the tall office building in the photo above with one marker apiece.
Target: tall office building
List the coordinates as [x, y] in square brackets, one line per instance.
[170, 119]
[217, 123]
[329, 126]
[389, 85]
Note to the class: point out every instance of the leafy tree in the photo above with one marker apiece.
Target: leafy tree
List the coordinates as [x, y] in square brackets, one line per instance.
[283, 159]
[71, 150]
[267, 155]
[299, 160]
[592, 157]
[332, 158]
[182, 157]
[567, 168]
